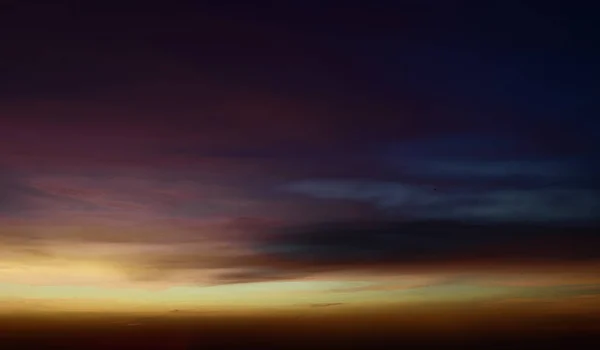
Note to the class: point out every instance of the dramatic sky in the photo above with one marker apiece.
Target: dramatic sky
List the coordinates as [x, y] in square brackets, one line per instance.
[298, 156]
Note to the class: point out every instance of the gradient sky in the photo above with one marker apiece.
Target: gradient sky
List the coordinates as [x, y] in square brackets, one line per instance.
[298, 156]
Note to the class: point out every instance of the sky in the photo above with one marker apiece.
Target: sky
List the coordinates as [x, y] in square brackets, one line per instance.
[298, 156]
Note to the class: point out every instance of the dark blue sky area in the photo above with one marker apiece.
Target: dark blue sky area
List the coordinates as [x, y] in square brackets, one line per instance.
[429, 109]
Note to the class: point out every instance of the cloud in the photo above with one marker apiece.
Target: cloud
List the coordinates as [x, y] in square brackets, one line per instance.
[547, 204]
[558, 291]
[319, 305]
[490, 158]
[545, 169]
[355, 245]
[378, 248]
[14, 192]
[19, 197]
[554, 203]
[255, 275]
[405, 282]
[385, 194]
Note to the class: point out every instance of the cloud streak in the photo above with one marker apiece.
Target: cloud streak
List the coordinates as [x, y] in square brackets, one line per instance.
[430, 202]
[377, 248]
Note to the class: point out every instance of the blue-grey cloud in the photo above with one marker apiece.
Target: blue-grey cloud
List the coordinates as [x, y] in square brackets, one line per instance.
[18, 197]
[544, 169]
[518, 204]
[382, 193]
[497, 154]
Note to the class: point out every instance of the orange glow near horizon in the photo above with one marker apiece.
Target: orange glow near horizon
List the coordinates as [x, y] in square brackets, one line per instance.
[98, 278]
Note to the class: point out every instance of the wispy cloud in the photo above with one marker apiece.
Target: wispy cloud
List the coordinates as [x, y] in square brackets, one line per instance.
[555, 203]
[363, 247]
[319, 305]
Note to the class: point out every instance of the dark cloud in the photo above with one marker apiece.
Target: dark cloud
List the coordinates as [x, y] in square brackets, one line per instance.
[259, 274]
[377, 244]
[326, 304]
[488, 156]
[223, 268]
[14, 192]
[18, 198]
[543, 170]
[382, 247]
[512, 203]
[471, 176]
[558, 291]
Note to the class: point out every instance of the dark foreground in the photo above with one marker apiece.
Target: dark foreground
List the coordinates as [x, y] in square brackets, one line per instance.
[192, 333]
[245, 341]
